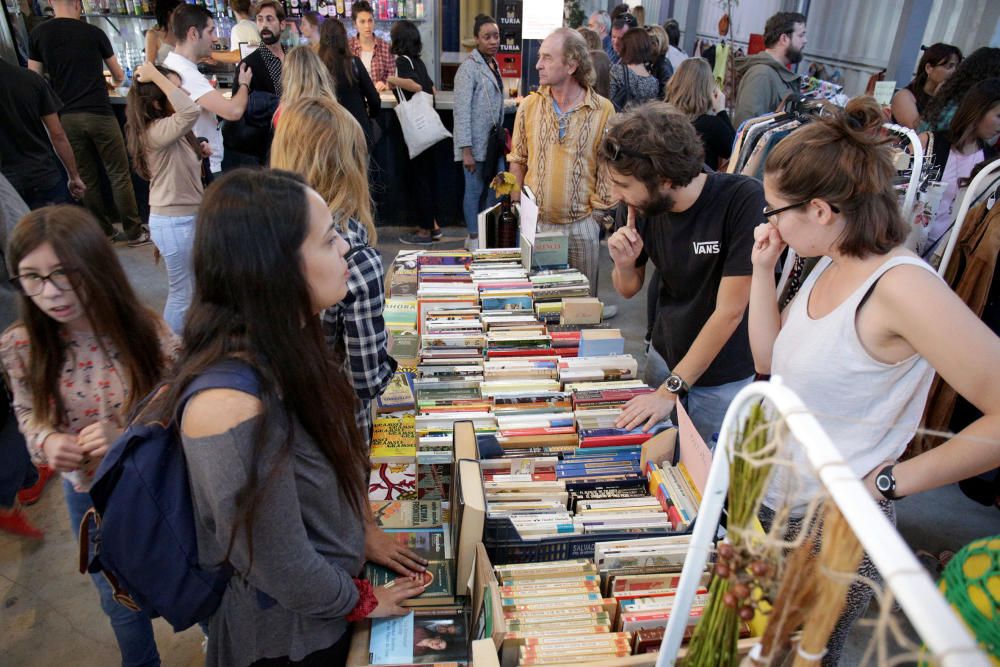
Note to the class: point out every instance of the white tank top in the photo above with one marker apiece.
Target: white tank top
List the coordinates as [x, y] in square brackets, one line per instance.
[869, 409]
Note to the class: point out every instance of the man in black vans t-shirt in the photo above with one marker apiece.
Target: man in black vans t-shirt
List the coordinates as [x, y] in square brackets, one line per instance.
[697, 229]
[73, 54]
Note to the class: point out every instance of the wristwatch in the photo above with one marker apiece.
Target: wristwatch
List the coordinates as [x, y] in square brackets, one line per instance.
[676, 385]
[885, 482]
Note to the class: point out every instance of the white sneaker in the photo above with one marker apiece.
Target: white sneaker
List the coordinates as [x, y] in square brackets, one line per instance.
[609, 312]
[471, 244]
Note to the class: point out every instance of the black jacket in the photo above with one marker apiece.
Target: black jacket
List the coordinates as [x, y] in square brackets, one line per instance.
[252, 134]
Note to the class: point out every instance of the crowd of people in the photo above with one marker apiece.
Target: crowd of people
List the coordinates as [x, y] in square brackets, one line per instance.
[267, 229]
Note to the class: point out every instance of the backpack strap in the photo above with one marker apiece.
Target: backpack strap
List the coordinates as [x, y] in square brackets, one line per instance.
[226, 374]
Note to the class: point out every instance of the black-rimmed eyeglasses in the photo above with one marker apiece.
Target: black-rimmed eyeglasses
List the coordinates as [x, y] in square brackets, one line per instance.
[32, 284]
[771, 212]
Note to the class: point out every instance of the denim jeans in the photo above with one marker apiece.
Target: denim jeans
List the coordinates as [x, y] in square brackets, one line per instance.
[174, 238]
[705, 405]
[133, 630]
[478, 196]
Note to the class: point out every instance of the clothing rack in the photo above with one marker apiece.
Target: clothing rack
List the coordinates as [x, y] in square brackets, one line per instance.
[908, 201]
[972, 193]
[932, 617]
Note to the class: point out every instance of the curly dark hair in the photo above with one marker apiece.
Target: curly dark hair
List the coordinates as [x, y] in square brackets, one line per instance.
[405, 38]
[982, 64]
[653, 142]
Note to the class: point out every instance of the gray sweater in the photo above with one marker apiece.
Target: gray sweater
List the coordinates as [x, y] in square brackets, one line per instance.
[764, 83]
[478, 106]
[307, 546]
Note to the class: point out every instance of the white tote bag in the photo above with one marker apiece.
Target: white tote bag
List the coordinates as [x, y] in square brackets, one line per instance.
[422, 126]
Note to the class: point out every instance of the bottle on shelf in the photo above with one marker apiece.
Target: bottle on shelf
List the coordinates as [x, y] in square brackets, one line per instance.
[341, 8]
[348, 5]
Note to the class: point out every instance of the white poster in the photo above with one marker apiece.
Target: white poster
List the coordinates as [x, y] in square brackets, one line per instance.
[541, 17]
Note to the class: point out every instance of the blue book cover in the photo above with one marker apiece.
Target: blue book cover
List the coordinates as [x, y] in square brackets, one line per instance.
[391, 640]
[508, 303]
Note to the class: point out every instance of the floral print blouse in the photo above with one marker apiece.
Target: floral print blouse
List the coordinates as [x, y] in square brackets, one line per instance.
[91, 384]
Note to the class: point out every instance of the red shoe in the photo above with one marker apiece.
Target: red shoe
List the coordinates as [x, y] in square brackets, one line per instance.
[13, 521]
[30, 495]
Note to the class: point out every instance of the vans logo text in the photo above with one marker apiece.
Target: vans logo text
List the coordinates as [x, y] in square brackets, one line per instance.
[706, 247]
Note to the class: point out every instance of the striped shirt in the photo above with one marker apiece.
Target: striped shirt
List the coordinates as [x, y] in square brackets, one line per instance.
[563, 169]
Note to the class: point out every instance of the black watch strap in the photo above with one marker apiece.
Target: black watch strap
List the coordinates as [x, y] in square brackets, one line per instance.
[885, 482]
[676, 385]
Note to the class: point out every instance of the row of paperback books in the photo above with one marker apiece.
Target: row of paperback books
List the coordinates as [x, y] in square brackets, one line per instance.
[522, 362]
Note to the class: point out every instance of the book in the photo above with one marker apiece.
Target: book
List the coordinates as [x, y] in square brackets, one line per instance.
[393, 481]
[439, 577]
[398, 394]
[601, 342]
[581, 310]
[550, 250]
[394, 440]
[407, 513]
[420, 638]
[428, 543]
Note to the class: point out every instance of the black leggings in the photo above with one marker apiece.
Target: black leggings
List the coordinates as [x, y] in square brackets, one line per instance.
[858, 594]
[335, 656]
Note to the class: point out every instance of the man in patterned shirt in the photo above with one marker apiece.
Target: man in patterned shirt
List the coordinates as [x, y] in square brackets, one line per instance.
[554, 150]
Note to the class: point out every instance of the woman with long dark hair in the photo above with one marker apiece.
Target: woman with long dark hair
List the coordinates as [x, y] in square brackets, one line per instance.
[982, 64]
[318, 141]
[165, 152]
[160, 39]
[411, 77]
[936, 66]
[83, 354]
[967, 141]
[279, 481]
[355, 90]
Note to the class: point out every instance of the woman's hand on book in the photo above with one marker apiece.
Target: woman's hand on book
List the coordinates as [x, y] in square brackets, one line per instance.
[382, 549]
[394, 593]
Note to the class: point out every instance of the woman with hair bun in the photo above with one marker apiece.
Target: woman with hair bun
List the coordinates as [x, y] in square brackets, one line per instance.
[862, 339]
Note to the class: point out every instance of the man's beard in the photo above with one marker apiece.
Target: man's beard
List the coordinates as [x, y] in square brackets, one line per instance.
[794, 56]
[269, 37]
[658, 204]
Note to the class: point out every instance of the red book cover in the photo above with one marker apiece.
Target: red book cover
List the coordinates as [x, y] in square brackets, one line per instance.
[551, 430]
[567, 351]
[616, 440]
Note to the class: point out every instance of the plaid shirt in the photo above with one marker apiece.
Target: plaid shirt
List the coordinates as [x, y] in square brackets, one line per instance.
[383, 62]
[357, 324]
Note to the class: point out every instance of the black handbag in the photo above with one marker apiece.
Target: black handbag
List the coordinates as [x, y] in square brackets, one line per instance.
[496, 148]
[623, 95]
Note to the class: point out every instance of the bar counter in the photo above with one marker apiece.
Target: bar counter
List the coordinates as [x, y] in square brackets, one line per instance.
[389, 162]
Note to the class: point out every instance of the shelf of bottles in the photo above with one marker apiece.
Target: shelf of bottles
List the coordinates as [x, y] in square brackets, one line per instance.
[384, 10]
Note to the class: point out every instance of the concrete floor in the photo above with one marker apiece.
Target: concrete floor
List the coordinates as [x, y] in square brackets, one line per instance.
[50, 613]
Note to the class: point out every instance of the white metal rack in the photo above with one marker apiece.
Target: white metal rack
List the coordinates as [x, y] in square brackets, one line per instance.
[971, 194]
[930, 614]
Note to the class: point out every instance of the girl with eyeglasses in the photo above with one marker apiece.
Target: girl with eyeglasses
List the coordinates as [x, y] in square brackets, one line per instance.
[83, 354]
[871, 324]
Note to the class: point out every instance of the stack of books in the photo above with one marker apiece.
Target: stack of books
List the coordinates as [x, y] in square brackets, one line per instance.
[674, 489]
[400, 315]
[419, 525]
[555, 612]
[559, 284]
[574, 370]
[597, 412]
